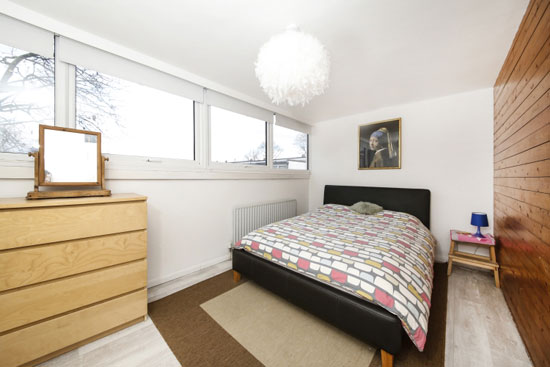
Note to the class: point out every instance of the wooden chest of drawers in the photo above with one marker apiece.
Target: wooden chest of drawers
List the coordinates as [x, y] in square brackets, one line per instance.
[71, 271]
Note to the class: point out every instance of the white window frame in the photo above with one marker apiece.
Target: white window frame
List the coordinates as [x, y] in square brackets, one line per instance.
[298, 126]
[222, 166]
[119, 163]
[20, 166]
[24, 36]
[307, 152]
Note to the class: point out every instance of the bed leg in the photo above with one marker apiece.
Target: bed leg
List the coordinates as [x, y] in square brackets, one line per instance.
[236, 276]
[387, 359]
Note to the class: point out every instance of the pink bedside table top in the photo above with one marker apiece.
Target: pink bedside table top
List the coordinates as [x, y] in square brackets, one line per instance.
[462, 236]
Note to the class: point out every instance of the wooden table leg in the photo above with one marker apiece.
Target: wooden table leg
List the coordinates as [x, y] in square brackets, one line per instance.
[494, 259]
[387, 358]
[236, 276]
[451, 252]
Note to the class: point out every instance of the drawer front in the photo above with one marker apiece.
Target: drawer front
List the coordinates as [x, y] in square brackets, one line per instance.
[41, 263]
[41, 339]
[35, 303]
[28, 227]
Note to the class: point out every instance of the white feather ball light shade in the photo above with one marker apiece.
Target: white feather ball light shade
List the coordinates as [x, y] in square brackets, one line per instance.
[293, 67]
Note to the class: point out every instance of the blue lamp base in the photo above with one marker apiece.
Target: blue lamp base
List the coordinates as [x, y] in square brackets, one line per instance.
[478, 233]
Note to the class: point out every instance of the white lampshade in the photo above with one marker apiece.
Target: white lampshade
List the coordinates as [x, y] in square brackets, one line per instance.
[293, 67]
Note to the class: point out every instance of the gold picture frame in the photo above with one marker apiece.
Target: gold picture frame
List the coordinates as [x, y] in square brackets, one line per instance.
[380, 145]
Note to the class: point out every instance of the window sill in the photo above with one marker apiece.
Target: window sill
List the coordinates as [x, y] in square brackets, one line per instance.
[22, 167]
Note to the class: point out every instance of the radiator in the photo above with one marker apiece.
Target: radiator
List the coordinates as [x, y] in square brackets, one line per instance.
[248, 218]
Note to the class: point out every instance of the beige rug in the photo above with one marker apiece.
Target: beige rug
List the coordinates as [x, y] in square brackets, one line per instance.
[278, 333]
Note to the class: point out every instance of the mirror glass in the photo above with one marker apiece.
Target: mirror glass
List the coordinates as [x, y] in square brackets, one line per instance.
[70, 157]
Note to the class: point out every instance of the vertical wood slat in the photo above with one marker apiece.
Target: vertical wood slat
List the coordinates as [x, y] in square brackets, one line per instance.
[522, 179]
[249, 218]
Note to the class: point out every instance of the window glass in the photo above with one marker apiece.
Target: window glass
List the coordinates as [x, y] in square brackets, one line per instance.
[237, 138]
[26, 98]
[134, 119]
[289, 148]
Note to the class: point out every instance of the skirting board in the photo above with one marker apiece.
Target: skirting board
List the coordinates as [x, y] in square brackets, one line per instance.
[165, 289]
[193, 269]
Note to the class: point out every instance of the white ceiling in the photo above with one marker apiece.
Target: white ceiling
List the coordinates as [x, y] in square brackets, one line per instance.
[383, 52]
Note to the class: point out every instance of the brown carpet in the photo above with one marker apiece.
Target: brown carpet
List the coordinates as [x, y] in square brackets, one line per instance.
[197, 340]
[194, 337]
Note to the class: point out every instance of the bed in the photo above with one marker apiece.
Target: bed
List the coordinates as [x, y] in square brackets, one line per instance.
[371, 322]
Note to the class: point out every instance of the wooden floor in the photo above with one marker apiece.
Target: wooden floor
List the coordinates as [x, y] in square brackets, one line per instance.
[480, 332]
[480, 328]
[140, 345]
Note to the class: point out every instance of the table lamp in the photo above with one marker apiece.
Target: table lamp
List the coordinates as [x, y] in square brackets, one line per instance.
[479, 220]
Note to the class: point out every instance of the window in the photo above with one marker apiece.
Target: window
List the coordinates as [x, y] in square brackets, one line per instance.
[26, 98]
[236, 138]
[134, 119]
[289, 148]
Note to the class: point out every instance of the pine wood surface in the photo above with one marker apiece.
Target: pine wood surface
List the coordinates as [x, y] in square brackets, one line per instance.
[519, 90]
[538, 122]
[531, 66]
[536, 138]
[35, 226]
[22, 267]
[387, 358]
[30, 304]
[531, 106]
[35, 341]
[66, 193]
[530, 20]
[71, 270]
[522, 179]
[19, 202]
[537, 214]
[535, 169]
[525, 183]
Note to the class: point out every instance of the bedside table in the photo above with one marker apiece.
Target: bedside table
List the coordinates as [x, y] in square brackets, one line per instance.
[472, 259]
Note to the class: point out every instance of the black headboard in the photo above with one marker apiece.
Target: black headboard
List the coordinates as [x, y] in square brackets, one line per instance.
[412, 201]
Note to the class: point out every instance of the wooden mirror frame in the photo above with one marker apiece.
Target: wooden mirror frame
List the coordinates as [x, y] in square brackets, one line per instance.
[41, 166]
[39, 171]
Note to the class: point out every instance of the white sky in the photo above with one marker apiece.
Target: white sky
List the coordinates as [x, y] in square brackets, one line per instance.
[153, 123]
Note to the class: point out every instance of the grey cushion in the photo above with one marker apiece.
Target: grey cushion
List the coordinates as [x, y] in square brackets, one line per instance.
[364, 207]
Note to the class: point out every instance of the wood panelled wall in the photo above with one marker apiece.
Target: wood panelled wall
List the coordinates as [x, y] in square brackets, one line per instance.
[522, 179]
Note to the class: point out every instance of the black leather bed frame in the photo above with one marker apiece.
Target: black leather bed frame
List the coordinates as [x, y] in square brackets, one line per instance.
[366, 321]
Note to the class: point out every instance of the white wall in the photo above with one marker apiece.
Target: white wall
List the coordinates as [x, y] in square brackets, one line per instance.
[190, 221]
[447, 147]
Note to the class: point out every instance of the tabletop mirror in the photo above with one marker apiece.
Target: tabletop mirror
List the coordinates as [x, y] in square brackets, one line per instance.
[68, 158]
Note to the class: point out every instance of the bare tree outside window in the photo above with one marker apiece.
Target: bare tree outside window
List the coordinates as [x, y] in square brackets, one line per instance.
[301, 143]
[95, 103]
[26, 98]
[134, 119]
[257, 154]
[292, 148]
[236, 138]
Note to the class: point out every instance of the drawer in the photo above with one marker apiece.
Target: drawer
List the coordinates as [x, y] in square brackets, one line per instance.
[36, 264]
[35, 226]
[35, 303]
[41, 339]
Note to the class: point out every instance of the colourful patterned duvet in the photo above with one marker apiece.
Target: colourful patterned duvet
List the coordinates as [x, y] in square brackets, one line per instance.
[386, 258]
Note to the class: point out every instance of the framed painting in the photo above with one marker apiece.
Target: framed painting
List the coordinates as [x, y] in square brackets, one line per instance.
[380, 145]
